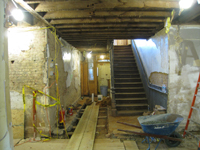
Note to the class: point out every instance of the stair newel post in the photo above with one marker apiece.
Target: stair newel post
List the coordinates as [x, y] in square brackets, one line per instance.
[113, 102]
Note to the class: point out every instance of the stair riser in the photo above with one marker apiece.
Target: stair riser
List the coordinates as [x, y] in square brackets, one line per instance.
[123, 53]
[129, 95]
[131, 69]
[128, 85]
[127, 76]
[119, 61]
[131, 102]
[127, 80]
[128, 90]
[125, 64]
[132, 108]
[118, 72]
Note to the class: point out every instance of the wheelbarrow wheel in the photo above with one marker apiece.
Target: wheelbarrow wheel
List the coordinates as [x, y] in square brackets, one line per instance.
[171, 143]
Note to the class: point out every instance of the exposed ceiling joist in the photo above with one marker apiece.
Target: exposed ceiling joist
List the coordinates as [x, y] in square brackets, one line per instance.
[108, 26]
[105, 20]
[105, 4]
[107, 30]
[87, 14]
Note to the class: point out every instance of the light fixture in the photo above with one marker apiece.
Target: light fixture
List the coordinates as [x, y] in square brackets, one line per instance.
[185, 4]
[102, 56]
[89, 55]
[67, 56]
[18, 14]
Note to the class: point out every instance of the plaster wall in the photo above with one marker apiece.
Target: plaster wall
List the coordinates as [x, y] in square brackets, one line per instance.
[184, 63]
[154, 56]
[68, 62]
[103, 74]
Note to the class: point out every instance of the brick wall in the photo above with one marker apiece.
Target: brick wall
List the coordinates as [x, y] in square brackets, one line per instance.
[27, 50]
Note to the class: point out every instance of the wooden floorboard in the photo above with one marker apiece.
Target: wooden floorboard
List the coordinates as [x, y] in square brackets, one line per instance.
[76, 138]
[87, 142]
[130, 145]
[108, 144]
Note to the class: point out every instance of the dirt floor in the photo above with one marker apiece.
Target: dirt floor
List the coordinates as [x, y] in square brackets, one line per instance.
[107, 129]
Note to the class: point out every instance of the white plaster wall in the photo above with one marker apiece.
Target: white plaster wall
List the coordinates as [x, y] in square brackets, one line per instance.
[184, 53]
[154, 53]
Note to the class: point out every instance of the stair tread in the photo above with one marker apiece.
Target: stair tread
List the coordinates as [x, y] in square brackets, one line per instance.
[124, 66]
[132, 93]
[129, 83]
[130, 111]
[127, 105]
[126, 78]
[122, 88]
[123, 70]
[140, 98]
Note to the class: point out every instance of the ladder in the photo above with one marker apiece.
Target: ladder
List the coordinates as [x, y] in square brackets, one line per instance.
[190, 113]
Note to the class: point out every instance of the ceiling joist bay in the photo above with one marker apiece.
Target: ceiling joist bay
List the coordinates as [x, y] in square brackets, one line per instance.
[86, 14]
[105, 20]
[104, 4]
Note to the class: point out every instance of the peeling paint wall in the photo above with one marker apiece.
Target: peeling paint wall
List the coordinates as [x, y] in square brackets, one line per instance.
[27, 65]
[154, 55]
[68, 62]
[184, 53]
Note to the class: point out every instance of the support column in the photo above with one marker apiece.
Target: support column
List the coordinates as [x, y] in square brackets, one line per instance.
[113, 102]
[6, 136]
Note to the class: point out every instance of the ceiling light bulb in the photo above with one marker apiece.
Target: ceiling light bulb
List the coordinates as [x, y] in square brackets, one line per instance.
[18, 14]
[89, 55]
[102, 56]
[185, 4]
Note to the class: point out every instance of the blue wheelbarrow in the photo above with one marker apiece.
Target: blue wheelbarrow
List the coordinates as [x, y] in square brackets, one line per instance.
[159, 126]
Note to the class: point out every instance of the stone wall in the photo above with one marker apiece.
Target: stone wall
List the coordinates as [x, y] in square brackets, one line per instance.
[184, 63]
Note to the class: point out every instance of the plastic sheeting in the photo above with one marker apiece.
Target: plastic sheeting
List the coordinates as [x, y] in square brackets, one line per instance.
[71, 63]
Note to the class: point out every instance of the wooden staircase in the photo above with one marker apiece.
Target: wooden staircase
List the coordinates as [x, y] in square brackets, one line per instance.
[130, 97]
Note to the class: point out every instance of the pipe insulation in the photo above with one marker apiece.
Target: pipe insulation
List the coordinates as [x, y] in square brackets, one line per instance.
[6, 138]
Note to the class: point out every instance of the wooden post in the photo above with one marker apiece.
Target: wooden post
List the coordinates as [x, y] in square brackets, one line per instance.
[34, 115]
[113, 102]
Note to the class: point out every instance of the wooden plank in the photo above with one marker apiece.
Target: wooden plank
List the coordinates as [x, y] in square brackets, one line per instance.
[87, 142]
[130, 145]
[108, 144]
[18, 123]
[108, 26]
[86, 14]
[77, 136]
[105, 20]
[97, 5]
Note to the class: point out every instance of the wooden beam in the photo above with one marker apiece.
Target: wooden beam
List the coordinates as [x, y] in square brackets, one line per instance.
[104, 33]
[32, 11]
[106, 30]
[108, 26]
[86, 14]
[99, 5]
[105, 20]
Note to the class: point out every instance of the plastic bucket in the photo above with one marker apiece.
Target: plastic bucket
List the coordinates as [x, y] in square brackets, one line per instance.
[104, 90]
